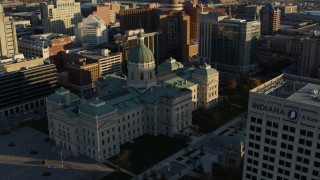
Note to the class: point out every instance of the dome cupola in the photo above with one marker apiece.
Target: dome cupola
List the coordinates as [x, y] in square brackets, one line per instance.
[141, 66]
[141, 53]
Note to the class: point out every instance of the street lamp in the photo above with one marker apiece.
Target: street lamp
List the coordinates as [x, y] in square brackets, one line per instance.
[61, 157]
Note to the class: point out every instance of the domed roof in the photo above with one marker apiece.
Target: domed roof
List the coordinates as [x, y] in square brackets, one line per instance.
[171, 64]
[140, 54]
[205, 70]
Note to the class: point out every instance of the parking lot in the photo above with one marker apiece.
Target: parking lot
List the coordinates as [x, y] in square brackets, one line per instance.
[27, 153]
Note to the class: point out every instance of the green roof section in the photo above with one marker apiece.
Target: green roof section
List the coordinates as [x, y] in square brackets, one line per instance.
[113, 83]
[180, 79]
[155, 93]
[126, 106]
[205, 70]
[123, 100]
[59, 96]
[171, 64]
[72, 111]
[96, 108]
[140, 54]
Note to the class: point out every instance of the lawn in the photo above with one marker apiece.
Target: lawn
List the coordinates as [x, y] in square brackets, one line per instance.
[208, 121]
[116, 175]
[40, 125]
[148, 150]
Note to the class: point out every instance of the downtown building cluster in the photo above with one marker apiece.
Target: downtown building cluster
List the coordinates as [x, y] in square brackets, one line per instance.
[126, 108]
[126, 72]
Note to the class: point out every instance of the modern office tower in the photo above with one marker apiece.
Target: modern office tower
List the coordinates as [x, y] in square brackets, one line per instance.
[60, 16]
[26, 89]
[252, 13]
[125, 108]
[193, 11]
[230, 45]
[47, 45]
[171, 22]
[137, 18]
[270, 20]
[309, 57]
[96, 9]
[92, 31]
[205, 35]
[282, 138]
[8, 37]
[177, 25]
[175, 37]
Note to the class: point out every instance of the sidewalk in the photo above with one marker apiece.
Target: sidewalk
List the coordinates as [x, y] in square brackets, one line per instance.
[194, 145]
[121, 169]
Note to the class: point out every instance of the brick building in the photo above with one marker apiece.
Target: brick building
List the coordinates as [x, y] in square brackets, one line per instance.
[47, 45]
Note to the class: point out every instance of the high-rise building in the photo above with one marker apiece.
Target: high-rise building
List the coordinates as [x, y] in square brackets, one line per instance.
[252, 13]
[309, 58]
[8, 37]
[193, 11]
[175, 35]
[47, 45]
[137, 18]
[92, 31]
[174, 25]
[230, 45]
[27, 89]
[270, 19]
[282, 137]
[96, 9]
[60, 16]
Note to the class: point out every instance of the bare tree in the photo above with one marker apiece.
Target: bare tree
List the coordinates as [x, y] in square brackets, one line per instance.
[123, 157]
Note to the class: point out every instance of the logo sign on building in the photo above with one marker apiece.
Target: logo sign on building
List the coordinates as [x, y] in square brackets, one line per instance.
[288, 113]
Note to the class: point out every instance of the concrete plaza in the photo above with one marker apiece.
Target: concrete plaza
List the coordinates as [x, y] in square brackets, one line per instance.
[27, 154]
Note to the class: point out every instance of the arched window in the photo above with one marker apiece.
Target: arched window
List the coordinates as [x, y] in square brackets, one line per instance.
[141, 76]
[132, 77]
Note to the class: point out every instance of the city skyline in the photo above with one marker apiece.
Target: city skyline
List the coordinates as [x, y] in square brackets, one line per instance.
[175, 89]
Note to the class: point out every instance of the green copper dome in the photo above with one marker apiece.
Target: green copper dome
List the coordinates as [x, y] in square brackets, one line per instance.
[140, 54]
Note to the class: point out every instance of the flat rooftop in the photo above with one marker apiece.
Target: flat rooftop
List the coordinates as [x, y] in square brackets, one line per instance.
[291, 87]
[94, 54]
